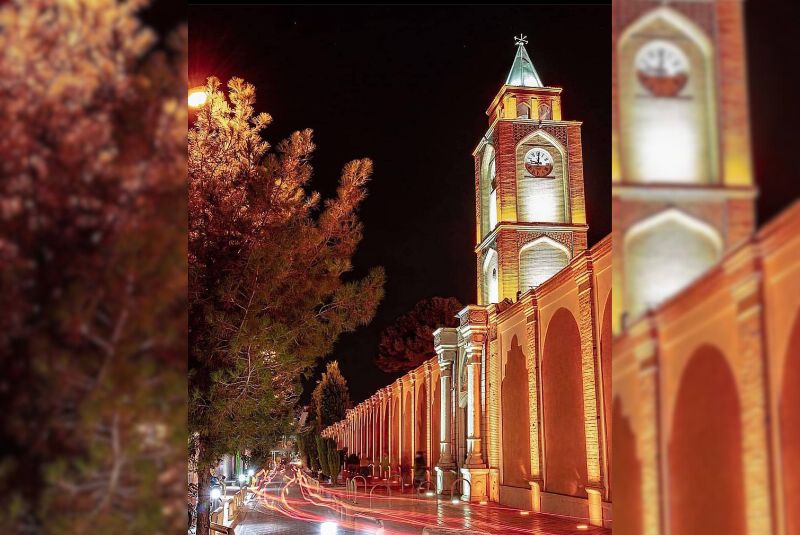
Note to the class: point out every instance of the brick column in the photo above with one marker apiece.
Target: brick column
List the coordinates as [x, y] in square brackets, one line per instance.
[399, 403]
[755, 437]
[392, 428]
[381, 431]
[445, 342]
[648, 443]
[531, 305]
[428, 417]
[374, 407]
[591, 394]
[493, 406]
[412, 384]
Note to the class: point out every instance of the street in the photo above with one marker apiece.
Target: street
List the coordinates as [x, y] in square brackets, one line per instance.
[291, 503]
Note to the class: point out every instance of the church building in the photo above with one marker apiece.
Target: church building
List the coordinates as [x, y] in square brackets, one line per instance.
[516, 407]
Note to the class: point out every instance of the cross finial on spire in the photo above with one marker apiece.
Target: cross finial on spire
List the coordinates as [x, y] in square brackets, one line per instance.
[522, 40]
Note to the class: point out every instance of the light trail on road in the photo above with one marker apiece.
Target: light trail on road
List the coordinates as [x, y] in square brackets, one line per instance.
[398, 515]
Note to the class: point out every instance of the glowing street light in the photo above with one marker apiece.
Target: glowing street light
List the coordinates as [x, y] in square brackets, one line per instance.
[197, 97]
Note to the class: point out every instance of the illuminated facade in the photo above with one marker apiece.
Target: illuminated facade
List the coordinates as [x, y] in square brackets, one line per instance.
[706, 360]
[517, 401]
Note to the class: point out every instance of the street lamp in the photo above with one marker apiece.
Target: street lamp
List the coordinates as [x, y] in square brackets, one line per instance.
[198, 96]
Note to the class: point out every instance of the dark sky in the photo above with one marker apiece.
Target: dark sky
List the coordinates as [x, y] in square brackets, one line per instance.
[772, 45]
[409, 86]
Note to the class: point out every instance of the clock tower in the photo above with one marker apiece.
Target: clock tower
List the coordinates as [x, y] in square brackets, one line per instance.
[530, 213]
[683, 189]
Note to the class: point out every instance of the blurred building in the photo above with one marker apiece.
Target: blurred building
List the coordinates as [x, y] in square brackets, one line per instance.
[515, 408]
[706, 359]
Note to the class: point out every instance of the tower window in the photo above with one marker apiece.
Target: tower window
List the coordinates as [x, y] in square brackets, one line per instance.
[523, 111]
[545, 112]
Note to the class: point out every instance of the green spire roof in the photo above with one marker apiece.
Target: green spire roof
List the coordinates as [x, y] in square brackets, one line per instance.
[522, 72]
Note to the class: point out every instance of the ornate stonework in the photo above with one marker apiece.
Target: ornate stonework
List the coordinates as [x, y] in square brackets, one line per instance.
[523, 130]
[565, 238]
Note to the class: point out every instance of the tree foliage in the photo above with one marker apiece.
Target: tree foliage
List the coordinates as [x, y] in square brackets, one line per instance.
[266, 260]
[334, 460]
[408, 342]
[93, 277]
[331, 397]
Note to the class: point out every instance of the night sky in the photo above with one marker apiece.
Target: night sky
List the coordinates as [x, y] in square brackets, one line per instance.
[408, 87]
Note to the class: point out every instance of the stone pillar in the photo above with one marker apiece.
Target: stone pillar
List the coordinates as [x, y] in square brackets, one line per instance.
[445, 342]
[474, 333]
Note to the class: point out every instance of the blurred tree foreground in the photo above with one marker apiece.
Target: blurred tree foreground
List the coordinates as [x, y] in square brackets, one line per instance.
[266, 260]
[92, 270]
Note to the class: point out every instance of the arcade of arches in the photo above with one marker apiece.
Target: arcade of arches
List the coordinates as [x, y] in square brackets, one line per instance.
[514, 403]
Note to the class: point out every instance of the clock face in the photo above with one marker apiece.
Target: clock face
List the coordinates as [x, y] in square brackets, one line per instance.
[662, 68]
[538, 162]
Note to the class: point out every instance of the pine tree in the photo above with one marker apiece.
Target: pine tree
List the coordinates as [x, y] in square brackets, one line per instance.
[331, 397]
[334, 460]
[322, 454]
[266, 259]
[93, 270]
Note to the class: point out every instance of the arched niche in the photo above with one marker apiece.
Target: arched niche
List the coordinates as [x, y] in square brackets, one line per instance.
[490, 278]
[542, 199]
[562, 396]
[605, 365]
[706, 481]
[789, 412]
[539, 260]
[663, 254]
[515, 412]
[408, 423]
[421, 419]
[667, 100]
[488, 195]
[627, 482]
